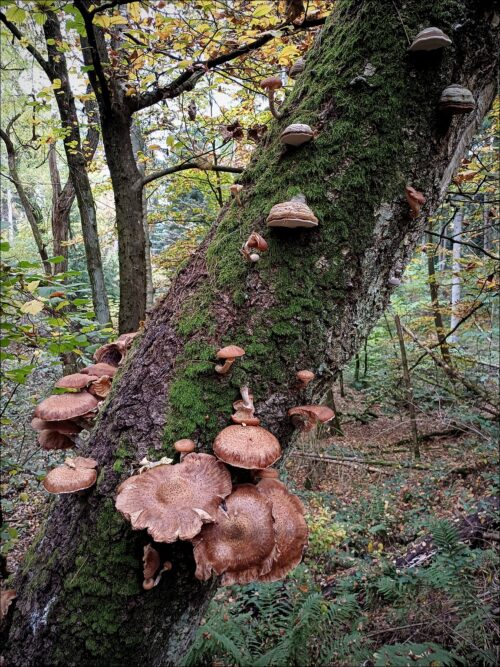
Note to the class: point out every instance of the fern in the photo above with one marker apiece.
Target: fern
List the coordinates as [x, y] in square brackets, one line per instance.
[421, 655]
[446, 537]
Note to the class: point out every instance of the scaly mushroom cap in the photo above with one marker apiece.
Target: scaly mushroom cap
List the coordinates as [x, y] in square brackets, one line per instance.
[456, 99]
[185, 446]
[68, 479]
[66, 426]
[296, 134]
[291, 214]
[297, 68]
[6, 598]
[101, 387]
[307, 416]
[151, 560]
[241, 542]
[75, 381]
[271, 83]
[66, 406]
[53, 440]
[289, 525]
[247, 447]
[429, 40]
[111, 353]
[173, 502]
[305, 377]
[230, 352]
[100, 369]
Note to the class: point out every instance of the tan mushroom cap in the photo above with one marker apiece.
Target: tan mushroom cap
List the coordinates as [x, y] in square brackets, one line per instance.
[245, 417]
[230, 352]
[80, 462]
[101, 386]
[54, 440]
[110, 353]
[75, 381]
[291, 214]
[271, 83]
[305, 377]
[66, 479]
[67, 427]
[247, 447]
[235, 188]
[266, 473]
[100, 369]
[185, 446]
[430, 39]
[6, 598]
[297, 134]
[241, 543]
[151, 561]
[174, 501]
[310, 415]
[127, 339]
[289, 525]
[66, 406]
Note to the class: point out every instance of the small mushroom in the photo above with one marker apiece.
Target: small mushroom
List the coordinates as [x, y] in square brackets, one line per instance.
[74, 475]
[100, 369]
[249, 447]
[228, 354]
[297, 134]
[66, 406]
[307, 417]
[254, 241]
[184, 447]
[235, 190]
[271, 85]
[415, 199]
[304, 377]
[75, 381]
[151, 565]
[6, 598]
[297, 68]
[456, 99]
[292, 214]
[245, 411]
[429, 39]
[101, 387]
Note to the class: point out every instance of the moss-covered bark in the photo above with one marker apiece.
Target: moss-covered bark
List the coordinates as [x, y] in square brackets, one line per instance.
[307, 304]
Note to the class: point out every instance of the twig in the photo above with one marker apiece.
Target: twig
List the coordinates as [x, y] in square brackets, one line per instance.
[342, 460]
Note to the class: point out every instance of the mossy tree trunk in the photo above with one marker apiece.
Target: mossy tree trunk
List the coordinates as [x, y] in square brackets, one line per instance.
[309, 303]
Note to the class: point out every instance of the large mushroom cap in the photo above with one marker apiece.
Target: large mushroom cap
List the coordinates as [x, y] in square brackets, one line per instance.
[456, 99]
[53, 440]
[289, 525]
[173, 502]
[100, 369]
[241, 542]
[230, 352]
[75, 381]
[308, 416]
[69, 478]
[291, 214]
[247, 447]
[296, 134]
[429, 40]
[65, 426]
[66, 406]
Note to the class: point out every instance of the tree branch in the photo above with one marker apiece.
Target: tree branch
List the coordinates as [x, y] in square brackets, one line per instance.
[108, 5]
[184, 167]
[471, 245]
[31, 49]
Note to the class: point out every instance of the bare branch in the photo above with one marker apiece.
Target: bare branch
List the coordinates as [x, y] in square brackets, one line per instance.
[471, 245]
[184, 167]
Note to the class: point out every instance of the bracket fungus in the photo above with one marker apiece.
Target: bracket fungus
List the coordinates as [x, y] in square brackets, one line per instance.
[271, 85]
[228, 354]
[297, 134]
[74, 475]
[174, 501]
[307, 417]
[415, 200]
[235, 190]
[297, 68]
[292, 214]
[304, 378]
[254, 242]
[456, 99]
[248, 447]
[429, 39]
[240, 545]
[66, 406]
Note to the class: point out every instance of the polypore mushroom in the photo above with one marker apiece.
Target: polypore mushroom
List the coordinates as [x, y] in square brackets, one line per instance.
[456, 99]
[173, 502]
[6, 598]
[254, 241]
[66, 406]
[429, 39]
[290, 528]
[304, 377]
[270, 85]
[100, 369]
[241, 543]
[292, 214]
[101, 387]
[307, 417]
[296, 134]
[74, 475]
[415, 199]
[229, 354]
[54, 440]
[249, 447]
[75, 381]
[235, 190]
[297, 68]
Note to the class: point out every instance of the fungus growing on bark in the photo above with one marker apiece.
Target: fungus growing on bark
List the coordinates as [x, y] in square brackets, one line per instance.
[173, 502]
[66, 406]
[307, 417]
[456, 99]
[289, 526]
[249, 447]
[74, 475]
[184, 446]
[6, 598]
[271, 85]
[100, 369]
[101, 387]
[235, 190]
[429, 39]
[241, 543]
[394, 281]
[415, 199]
[304, 378]
[292, 214]
[65, 426]
[254, 241]
[151, 565]
[297, 68]
[297, 134]
[114, 353]
[54, 440]
[75, 381]
[228, 354]
[245, 411]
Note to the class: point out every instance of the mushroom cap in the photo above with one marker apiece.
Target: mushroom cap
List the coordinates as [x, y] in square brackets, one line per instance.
[185, 446]
[151, 560]
[65, 479]
[297, 68]
[289, 525]
[66, 406]
[110, 353]
[271, 83]
[80, 462]
[257, 241]
[296, 134]
[245, 417]
[230, 352]
[291, 214]
[67, 427]
[174, 501]
[241, 542]
[457, 99]
[247, 447]
[54, 440]
[235, 187]
[127, 339]
[101, 386]
[6, 598]
[75, 381]
[312, 414]
[266, 473]
[430, 39]
[100, 369]
[305, 376]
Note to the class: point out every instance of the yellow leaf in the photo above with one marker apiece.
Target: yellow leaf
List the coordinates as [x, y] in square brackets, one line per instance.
[31, 287]
[32, 307]
[56, 84]
[134, 10]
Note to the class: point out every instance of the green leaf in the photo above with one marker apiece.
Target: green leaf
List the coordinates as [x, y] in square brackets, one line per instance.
[15, 14]
[56, 260]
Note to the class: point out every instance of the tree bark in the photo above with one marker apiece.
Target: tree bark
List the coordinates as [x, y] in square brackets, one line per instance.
[305, 304]
[456, 280]
[410, 402]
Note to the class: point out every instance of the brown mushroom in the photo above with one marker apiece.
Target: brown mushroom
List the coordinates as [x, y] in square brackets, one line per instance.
[54, 440]
[456, 99]
[415, 200]
[74, 475]
[67, 427]
[307, 417]
[184, 447]
[6, 598]
[249, 447]
[304, 378]
[254, 241]
[241, 543]
[297, 68]
[66, 406]
[75, 381]
[292, 214]
[289, 526]
[271, 85]
[110, 353]
[429, 39]
[100, 369]
[151, 561]
[245, 411]
[174, 501]
[235, 190]
[297, 134]
[101, 387]
[229, 354]
[266, 473]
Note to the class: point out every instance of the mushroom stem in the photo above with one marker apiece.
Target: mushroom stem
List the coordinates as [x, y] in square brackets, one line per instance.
[245, 395]
[223, 370]
[272, 106]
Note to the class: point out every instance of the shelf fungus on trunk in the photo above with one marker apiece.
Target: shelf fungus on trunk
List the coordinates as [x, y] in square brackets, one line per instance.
[75, 381]
[297, 134]
[429, 39]
[101, 387]
[174, 501]
[456, 99]
[76, 474]
[228, 354]
[292, 214]
[307, 417]
[249, 447]
[62, 407]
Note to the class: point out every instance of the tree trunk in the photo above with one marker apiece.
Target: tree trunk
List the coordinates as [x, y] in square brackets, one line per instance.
[305, 304]
[435, 305]
[456, 280]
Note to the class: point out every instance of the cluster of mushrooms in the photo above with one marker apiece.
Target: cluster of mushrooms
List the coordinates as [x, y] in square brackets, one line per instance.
[243, 530]
[60, 418]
